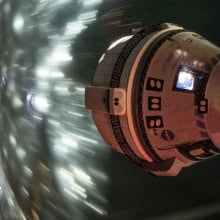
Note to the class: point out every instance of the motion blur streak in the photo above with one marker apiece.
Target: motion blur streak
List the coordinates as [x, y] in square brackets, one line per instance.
[48, 142]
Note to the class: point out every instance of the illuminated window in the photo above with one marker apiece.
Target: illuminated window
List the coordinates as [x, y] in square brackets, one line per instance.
[185, 80]
[190, 81]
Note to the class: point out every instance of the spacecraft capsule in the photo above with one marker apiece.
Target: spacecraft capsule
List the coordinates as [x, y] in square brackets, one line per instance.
[155, 98]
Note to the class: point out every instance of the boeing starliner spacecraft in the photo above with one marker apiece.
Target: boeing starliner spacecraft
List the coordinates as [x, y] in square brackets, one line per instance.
[155, 97]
